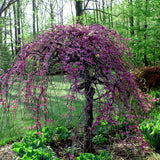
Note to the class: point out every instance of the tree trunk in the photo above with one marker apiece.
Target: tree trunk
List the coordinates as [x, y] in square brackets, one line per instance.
[97, 13]
[131, 19]
[111, 6]
[145, 37]
[37, 20]
[79, 11]
[11, 35]
[1, 36]
[5, 32]
[103, 8]
[19, 26]
[90, 91]
[15, 29]
[61, 13]
[51, 14]
[34, 18]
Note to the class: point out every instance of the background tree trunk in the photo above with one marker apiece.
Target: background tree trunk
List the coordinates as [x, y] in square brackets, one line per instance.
[11, 35]
[18, 25]
[131, 18]
[34, 18]
[145, 36]
[15, 28]
[78, 11]
[51, 13]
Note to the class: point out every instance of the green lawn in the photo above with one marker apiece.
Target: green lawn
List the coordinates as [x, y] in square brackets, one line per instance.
[12, 128]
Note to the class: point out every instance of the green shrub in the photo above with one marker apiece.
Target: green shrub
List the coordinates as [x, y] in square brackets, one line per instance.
[99, 139]
[33, 146]
[62, 133]
[89, 156]
[105, 127]
[151, 131]
[101, 128]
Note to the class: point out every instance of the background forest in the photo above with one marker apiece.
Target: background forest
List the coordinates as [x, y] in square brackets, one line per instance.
[21, 21]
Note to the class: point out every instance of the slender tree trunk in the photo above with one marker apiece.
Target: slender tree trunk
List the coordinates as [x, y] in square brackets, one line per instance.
[97, 13]
[1, 36]
[100, 14]
[61, 13]
[11, 35]
[138, 52]
[15, 28]
[78, 11]
[109, 18]
[34, 18]
[111, 6]
[37, 20]
[103, 8]
[51, 14]
[90, 91]
[1, 30]
[18, 26]
[94, 13]
[131, 19]
[5, 28]
[145, 37]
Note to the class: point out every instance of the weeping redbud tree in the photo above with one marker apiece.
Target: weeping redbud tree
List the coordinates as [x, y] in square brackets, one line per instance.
[92, 57]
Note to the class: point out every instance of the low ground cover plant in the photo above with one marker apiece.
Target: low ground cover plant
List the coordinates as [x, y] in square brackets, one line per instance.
[86, 156]
[33, 146]
[151, 131]
[62, 133]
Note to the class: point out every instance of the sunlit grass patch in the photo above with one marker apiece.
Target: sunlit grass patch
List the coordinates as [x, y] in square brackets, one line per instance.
[16, 122]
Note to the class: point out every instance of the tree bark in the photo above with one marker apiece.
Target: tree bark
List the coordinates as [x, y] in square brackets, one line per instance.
[145, 37]
[34, 18]
[78, 11]
[11, 35]
[5, 5]
[111, 6]
[19, 26]
[90, 91]
[15, 29]
[131, 19]
[37, 19]
[51, 14]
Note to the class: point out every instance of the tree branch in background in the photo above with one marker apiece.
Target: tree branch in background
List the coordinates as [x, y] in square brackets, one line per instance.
[102, 11]
[6, 5]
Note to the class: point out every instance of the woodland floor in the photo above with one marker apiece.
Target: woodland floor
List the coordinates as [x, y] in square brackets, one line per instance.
[121, 151]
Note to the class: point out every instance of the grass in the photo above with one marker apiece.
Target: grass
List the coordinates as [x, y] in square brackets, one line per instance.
[12, 128]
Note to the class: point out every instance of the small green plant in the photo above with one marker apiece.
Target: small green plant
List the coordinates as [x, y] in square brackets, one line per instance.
[89, 156]
[105, 127]
[101, 128]
[99, 139]
[151, 131]
[48, 134]
[62, 133]
[33, 146]
[72, 150]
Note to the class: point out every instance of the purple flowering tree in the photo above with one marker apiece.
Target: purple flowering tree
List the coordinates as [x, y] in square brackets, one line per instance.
[92, 57]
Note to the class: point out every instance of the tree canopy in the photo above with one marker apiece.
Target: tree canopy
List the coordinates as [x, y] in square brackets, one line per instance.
[92, 57]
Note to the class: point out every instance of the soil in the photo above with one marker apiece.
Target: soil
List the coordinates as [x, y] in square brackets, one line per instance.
[6, 152]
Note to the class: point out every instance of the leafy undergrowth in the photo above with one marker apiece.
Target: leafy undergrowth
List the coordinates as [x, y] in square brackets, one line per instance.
[67, 144]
